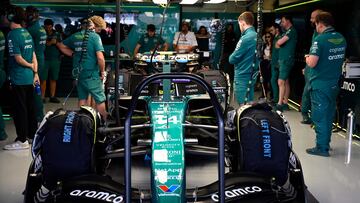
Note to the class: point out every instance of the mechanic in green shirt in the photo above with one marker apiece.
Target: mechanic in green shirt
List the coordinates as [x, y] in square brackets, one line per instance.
[275, 30]
[325, 60]
[23, 76]
[287, 45]
[149, 41]
[3, 134]
[38, 34]
[244, 60]
[88, 62]
[305, 99]
[52, 61]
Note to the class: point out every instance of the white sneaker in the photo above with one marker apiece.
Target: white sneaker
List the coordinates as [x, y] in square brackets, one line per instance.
[18, 145]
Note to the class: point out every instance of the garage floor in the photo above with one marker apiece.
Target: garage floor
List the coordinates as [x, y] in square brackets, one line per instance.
[328, 179]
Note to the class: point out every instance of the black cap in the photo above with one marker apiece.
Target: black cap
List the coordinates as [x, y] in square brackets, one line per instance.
[151, 27]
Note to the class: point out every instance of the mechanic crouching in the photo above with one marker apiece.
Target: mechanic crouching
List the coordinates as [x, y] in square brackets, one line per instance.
[327, 54]
[87, 50]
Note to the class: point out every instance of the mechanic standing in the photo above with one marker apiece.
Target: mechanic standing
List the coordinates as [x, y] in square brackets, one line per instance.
[3, 134]
[52, 61]
[23, 75]
[244, 59]
[287, 45]
[88, 59]
[275, 31]
[305, 99]
[149, 41]
[325, 60]
[38, 34]
[185, 41]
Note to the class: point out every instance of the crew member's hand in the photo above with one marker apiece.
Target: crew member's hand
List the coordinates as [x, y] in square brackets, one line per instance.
[36, 79]
[277, 46]
[53, 41]
[102, 75]
[32, 66]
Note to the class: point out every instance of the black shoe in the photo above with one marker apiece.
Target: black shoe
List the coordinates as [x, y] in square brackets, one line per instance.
[278, 107]
[285, 107]
[54, 100]
[306, 121]
[318, 152]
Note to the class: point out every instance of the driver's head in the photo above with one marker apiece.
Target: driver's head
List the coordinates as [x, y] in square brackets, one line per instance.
[151, 30]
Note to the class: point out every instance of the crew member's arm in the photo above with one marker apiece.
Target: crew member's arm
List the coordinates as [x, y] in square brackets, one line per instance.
[100, 56]
[176, 41]
[21, 61]
[240, 50]
[65, 49]
[51, 41]
[35, 69]
[313, 57]
[165, 46]
[312, 60]
[136, 50]
[101, 63]
[283, 39]
[67, 46]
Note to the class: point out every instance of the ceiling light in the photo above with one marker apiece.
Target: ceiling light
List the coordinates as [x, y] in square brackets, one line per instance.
[188, 2]
[160, 1]
[215, 1]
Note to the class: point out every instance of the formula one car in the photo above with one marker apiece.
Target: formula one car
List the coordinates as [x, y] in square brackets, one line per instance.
[167, 126]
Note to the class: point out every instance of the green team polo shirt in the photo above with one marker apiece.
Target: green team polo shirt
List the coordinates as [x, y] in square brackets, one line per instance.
[275, 51]
[2, 49]
[307, 69]
[21, 43]
[88, 65]
[38, 34]
[244, 53]
[148, 43]
[287, 50]
[52, 52]
[330, 47]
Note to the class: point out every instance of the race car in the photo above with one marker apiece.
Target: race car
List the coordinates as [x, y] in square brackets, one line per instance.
[166, 129]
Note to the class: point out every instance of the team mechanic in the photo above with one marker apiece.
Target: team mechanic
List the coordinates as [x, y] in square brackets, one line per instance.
[243, 59]
[88, 63]
[325, 60]
[38, 34]
[275, 31]
[23, 72]
[305, 98]
[287, 45]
